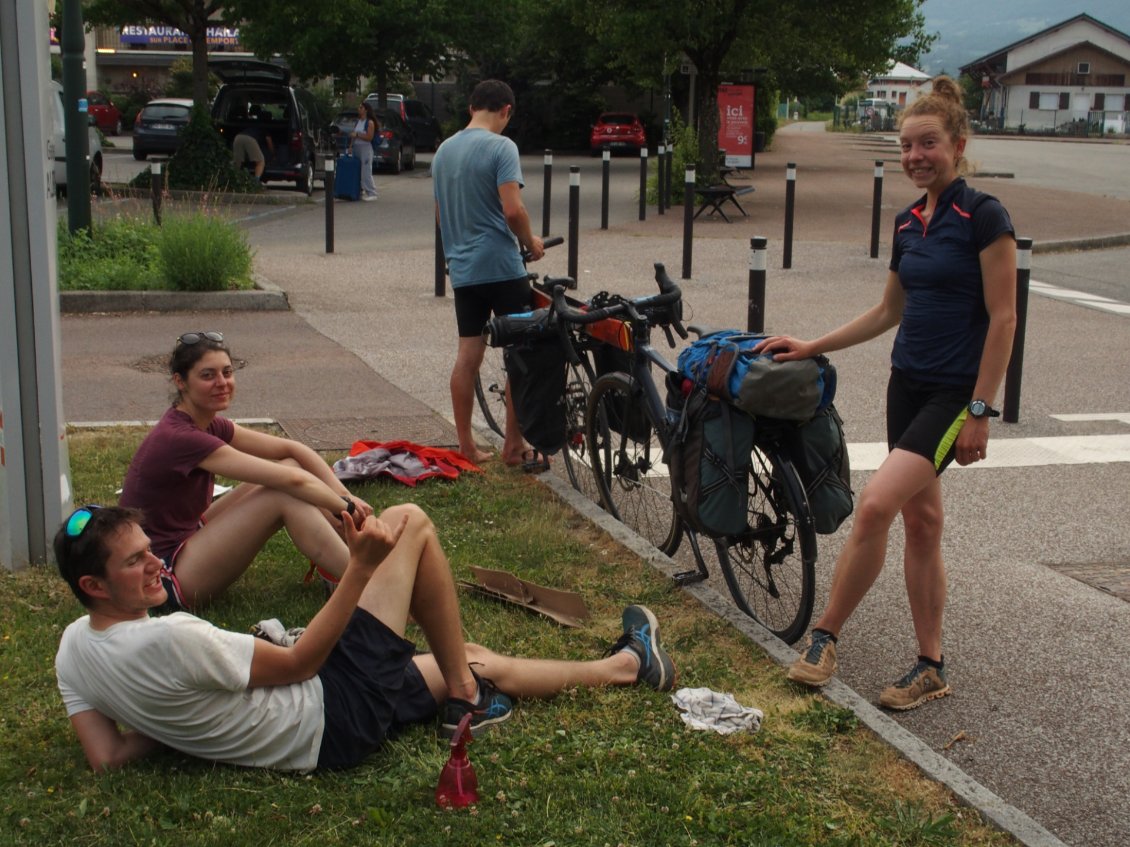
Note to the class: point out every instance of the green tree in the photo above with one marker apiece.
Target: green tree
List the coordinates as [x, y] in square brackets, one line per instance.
[192, 17]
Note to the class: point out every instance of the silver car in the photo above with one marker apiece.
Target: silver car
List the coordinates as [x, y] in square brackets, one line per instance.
[57, 146]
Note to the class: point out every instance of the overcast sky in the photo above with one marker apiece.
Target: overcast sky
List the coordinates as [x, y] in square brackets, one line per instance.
[968, 29]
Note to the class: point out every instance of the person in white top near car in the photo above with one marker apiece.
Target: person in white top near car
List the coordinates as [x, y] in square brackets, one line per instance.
[361, 144]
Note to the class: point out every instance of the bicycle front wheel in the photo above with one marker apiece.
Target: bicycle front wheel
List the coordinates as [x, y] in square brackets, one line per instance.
[578, 386]
[627, 461]
[490, 389]
[770, 569]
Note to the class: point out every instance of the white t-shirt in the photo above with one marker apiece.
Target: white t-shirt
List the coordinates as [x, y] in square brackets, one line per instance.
[183, 681]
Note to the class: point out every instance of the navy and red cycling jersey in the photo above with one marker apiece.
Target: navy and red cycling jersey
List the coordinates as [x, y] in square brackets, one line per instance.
[944, 321]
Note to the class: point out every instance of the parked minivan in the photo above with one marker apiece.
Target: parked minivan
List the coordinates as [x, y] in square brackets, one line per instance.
[59, 146]
[257, 97]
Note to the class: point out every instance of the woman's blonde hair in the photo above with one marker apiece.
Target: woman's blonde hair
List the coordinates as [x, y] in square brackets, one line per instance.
[946, 101]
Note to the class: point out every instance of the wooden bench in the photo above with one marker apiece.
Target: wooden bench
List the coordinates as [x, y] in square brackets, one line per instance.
[714, 196]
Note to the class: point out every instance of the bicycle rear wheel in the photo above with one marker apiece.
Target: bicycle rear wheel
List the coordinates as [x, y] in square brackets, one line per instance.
[770, 570]
[490, 389]
[627, 461]
[575, 454]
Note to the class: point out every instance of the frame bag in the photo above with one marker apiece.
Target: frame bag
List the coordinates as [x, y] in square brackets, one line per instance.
[709, 460]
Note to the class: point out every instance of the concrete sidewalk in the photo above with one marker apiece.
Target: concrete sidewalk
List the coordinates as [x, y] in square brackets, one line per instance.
[367, 350]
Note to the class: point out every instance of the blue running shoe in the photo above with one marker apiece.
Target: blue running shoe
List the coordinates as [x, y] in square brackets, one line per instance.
[492, 708]
[641, 636]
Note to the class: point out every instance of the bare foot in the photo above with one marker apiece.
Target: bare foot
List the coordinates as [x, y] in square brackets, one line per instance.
[475, 455]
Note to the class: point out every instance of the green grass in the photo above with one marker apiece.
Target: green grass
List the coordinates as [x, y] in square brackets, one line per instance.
[592, 767]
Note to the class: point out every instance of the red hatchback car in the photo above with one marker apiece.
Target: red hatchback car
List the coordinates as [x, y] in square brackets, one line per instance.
[619, 131]
[105, 113]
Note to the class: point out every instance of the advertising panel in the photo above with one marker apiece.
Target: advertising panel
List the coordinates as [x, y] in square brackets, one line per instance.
[736, 124]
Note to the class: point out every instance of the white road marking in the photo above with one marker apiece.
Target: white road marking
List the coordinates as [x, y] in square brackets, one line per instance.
[1020, 452]
[1079, 298]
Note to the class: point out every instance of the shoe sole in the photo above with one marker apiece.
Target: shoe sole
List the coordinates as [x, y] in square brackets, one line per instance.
[448, 730]
[925, 698]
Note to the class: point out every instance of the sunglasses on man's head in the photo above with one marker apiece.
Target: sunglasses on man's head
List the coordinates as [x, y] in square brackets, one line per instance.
[190, 338]
[78, 520]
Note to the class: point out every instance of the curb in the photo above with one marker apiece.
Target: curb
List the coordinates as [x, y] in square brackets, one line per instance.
[266, 297]
[935, 766]
[1098, 242]
[230, 198]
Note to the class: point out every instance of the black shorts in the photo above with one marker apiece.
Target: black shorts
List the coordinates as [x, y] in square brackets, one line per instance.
[474, 304]
[371, 690]
[925, 417]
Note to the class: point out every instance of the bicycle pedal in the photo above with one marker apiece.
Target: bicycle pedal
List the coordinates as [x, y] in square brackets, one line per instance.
[689, 577]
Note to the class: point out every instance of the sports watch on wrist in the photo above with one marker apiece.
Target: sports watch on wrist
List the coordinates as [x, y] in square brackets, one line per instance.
[981, 409]
[350, 506]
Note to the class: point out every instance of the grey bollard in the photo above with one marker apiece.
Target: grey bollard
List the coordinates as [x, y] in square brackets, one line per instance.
[1011, 411]
[605, 176]
[876, 209]
[546, 185]
[659, 154]
[755, 317]
[574, 216]
[157, 188]
[688, 220]
[329, 184]
[790, 204]
[643, 183]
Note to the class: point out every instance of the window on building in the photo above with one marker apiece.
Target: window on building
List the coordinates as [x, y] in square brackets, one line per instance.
[1083, 69]
[1064, 100]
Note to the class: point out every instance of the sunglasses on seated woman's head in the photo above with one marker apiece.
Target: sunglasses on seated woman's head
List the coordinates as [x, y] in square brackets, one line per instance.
[190, 338]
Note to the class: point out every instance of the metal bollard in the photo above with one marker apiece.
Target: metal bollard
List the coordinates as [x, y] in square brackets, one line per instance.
[157, 189]
[329, 185]
[441, 265]
[659, 154]
[574, 216]
[1011, 411]
[688, 220]
[755, 317]
[604, 177]
[876, 207]
[545, 193]
[667, 175]
[643, 183]
[790, 203]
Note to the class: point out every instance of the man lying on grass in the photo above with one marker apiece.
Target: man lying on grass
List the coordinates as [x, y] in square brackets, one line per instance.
[131, 682]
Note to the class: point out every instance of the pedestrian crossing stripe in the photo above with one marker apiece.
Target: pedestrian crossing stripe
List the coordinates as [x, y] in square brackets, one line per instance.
[1079, 298]
[1019, 452]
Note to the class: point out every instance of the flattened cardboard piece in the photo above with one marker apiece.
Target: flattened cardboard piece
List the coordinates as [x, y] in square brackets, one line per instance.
[565, 607]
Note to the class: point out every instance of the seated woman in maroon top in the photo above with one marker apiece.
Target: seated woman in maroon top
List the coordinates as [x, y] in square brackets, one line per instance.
[206, 545]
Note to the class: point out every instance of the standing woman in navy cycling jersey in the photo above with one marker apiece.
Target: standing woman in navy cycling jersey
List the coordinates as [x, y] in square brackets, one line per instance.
[951, 293]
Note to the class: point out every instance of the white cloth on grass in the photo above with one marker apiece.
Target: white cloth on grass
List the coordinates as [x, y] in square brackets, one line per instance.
[702, 708]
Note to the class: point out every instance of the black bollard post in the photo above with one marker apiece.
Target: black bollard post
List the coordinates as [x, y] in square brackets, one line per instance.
[790, 202]
[667, 176]
[659, 154]
[329, 180]
[157, 188]
[688, 220]
[1011, 412]
[755, 318]
[545, 193]
[441, 265]
[606, 171]
[876, 206]
[643, 183]
[574, 216]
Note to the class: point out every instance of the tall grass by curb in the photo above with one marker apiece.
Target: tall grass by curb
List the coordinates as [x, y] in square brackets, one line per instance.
[592, 767]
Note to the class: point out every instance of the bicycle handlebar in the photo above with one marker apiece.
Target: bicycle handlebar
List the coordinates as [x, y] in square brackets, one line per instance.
[662, 308]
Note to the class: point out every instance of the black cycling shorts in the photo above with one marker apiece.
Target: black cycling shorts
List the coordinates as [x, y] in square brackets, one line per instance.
[474, 304]
[925, 417]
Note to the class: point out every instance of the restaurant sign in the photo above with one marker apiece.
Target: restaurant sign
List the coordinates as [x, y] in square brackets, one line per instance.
[168, 36]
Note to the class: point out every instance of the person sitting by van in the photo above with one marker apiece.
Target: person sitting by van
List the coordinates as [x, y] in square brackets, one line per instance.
[246, 152]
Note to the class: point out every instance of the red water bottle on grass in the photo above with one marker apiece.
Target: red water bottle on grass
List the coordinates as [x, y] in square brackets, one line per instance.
[458, 786]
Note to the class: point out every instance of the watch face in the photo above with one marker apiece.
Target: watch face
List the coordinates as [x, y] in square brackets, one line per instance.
[977, 408]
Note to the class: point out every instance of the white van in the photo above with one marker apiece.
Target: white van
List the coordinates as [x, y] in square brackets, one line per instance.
[58, 149]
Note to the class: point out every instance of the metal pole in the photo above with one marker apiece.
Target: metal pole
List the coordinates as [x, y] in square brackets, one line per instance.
[441, 265]
[688, 220]
[876, 206]
[604, 177]
[574, 216]
[1011, 412]
[545, 193]
[755, 318]
[660, 153]
[76, 141]
[330, 204]
[643, 183]
[667, 174]
[790, 201]
[157, 188]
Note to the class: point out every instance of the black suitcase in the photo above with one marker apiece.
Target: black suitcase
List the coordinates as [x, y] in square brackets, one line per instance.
[347, 179]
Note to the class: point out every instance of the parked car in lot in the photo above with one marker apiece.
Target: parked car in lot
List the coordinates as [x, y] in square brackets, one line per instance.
[58, 146]
[159, 126]
[394, 146]
[105, 113]
[425, 127]
[257, 97]
[618, 131]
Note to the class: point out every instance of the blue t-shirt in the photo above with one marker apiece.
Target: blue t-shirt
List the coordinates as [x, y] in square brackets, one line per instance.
[944, 320]
[467, 171]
